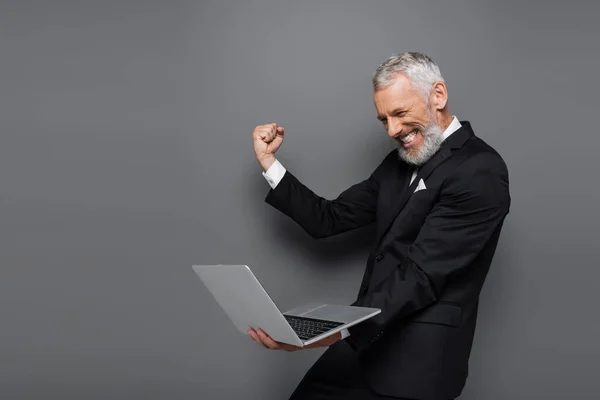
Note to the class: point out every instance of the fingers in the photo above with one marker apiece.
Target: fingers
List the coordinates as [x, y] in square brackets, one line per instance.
[267, 342]
[254, 335]
[268, 132]
[260, 337]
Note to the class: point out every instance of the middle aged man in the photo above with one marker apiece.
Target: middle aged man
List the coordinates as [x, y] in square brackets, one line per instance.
[439, 202]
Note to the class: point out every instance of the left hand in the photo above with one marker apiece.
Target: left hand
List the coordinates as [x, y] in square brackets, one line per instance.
[263, 339]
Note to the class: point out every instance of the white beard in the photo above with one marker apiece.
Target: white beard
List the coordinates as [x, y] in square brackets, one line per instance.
[432, 140]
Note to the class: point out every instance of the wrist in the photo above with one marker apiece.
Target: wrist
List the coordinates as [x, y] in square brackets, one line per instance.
[266, 162]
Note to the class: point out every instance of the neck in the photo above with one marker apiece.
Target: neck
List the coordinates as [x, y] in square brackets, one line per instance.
[444, 119]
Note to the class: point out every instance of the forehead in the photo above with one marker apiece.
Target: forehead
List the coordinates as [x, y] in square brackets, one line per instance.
[399, 94]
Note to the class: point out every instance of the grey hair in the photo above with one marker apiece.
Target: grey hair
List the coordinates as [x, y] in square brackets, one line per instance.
[419, 68]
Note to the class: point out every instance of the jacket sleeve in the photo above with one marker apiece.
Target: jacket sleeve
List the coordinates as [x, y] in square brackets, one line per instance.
[473, 203]
[353, 208]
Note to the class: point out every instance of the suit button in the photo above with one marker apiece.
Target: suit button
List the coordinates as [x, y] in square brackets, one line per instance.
[363, 289]
[379, 257]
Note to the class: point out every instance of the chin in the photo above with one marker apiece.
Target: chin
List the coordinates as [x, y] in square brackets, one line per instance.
[428, 145]
[409, 156]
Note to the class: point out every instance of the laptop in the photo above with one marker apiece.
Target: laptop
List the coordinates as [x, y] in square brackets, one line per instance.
[239, 293]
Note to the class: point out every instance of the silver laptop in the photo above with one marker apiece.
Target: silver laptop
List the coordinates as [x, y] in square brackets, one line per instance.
[248, 305]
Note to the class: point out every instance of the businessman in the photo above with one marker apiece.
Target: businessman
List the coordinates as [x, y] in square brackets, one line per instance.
[439, 201]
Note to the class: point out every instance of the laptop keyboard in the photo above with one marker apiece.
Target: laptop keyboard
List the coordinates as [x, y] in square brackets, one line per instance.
[308, 328]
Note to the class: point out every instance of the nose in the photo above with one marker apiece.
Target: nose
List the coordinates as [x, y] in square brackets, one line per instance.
[394, 127]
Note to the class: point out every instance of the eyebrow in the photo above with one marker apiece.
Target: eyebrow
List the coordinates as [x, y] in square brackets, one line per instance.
[397, 112]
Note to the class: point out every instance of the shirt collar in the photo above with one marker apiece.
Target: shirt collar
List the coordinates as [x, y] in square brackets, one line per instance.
[453, 127]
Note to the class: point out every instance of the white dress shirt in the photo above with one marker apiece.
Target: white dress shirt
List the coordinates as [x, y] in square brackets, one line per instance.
[276, 172]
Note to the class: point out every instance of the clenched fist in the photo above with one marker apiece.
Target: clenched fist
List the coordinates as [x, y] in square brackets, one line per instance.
[267, 139]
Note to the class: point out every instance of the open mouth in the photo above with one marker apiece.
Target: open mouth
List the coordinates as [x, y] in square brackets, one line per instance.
[408, 139]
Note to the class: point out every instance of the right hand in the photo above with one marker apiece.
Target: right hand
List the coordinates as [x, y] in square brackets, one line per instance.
[267, 139]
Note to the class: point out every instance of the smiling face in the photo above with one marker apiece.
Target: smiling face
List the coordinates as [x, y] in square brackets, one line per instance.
[410, 120]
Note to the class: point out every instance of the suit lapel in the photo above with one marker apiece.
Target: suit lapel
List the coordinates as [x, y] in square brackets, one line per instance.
[398, 185]
[454, 141]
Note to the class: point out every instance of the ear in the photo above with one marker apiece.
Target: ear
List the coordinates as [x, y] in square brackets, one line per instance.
[439, 96]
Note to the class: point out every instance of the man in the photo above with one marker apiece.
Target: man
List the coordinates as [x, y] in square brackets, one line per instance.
[439, 201]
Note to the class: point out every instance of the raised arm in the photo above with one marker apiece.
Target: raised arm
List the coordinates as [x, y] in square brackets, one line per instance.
[319, 217]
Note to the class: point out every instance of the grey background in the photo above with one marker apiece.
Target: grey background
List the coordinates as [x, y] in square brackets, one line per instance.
[126, 156]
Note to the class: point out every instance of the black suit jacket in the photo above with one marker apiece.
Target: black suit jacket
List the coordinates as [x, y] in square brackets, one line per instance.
[432, 252]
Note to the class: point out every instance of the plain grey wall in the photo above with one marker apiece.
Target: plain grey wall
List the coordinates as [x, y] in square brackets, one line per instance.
[126, 156]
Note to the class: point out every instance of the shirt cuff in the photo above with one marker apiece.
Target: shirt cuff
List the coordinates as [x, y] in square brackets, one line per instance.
[344, 333]
[274, 174]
